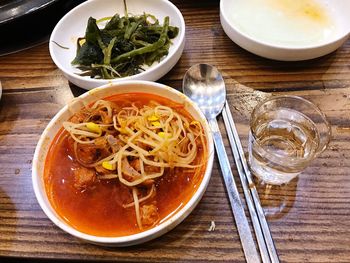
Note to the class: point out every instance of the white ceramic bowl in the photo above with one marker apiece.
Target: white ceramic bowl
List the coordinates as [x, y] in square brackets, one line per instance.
[93, 95]
[338, 12]
[73, 25]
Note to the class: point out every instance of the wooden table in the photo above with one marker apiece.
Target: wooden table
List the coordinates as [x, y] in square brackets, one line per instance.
[309, 218]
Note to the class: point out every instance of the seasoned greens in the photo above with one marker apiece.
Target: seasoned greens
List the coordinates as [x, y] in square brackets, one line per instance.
[124, 46]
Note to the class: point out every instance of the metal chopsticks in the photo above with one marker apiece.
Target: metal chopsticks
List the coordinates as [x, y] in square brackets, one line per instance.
[261, 228]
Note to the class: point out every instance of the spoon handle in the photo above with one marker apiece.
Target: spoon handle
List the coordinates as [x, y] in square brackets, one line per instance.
[242, 224]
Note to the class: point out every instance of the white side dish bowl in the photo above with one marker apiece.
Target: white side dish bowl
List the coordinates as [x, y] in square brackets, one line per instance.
[64, 114]
[286, 30]
[73, 25]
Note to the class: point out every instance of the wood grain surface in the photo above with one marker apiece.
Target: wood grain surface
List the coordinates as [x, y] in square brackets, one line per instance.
[309, 218]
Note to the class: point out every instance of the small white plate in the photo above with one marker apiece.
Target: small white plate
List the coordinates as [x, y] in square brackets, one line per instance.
[73, 25]
[268, 28]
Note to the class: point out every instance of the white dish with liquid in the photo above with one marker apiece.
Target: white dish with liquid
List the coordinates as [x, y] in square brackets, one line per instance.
[287, 30]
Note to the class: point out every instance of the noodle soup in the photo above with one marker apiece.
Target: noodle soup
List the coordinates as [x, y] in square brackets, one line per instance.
[125, 164]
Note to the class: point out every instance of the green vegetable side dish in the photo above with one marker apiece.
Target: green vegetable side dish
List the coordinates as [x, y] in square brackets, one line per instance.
[124, 46]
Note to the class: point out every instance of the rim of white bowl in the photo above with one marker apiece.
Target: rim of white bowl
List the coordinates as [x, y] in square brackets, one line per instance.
[287, 48]
[149, 234]
[139, 75]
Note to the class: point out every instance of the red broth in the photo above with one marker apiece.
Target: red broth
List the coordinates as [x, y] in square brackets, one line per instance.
[98, 210]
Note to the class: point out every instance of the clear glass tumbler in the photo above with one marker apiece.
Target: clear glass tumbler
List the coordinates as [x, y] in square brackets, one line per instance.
[286, 134]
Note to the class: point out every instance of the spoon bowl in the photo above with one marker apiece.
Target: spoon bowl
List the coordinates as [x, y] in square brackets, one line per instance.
[205, 85]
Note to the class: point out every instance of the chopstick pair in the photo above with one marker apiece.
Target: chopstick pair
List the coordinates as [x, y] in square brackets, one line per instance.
[261, 228]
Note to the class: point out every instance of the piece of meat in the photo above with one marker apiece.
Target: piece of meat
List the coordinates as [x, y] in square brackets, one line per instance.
[79, 117]
[88, 154]
[136, 164]
[101, 142]
[83, 178]
[101, 116]
[144, 146]
[91, 153]
[114, 143]
[148, 182]
[149, 214]
[102, 170]
[129, 172]
[105, 118]
[149, 169]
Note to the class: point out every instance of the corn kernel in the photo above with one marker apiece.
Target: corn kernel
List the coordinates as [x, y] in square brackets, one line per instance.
[93, 127]
[123, 131]
[155, 123]
[194, 123]
[153, 118]
[109, 166]
[164, 135]
[82, 41]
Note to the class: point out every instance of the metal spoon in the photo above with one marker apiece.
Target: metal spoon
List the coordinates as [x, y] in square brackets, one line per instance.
[204, 85]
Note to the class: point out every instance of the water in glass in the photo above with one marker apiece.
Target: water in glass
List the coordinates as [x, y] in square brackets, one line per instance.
[282, 142]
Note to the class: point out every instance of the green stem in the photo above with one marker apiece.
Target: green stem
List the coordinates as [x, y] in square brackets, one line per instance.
[150, 48]
[107, 57]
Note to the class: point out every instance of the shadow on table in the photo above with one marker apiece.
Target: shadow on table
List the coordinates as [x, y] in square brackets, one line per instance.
[277, 200]
[76, 91]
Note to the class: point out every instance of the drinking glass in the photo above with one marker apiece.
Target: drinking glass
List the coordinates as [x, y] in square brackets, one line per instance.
[286, 134]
